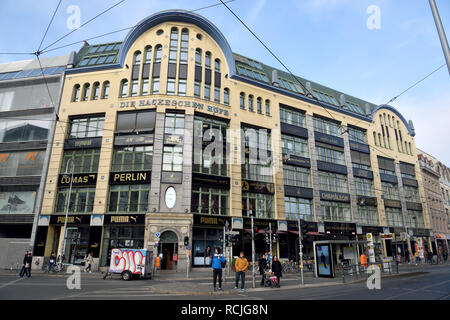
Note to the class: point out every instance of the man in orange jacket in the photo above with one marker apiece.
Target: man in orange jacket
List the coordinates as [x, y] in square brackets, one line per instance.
[241, 266]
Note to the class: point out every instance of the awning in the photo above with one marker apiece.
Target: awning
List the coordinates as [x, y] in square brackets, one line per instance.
[313, 233]
[293, 231]
[438, 235]
[280, 232]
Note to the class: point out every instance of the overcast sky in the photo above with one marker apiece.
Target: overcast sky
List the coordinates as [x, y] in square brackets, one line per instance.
[326, 41]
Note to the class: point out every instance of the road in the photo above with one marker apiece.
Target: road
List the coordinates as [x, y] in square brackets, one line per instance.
[433, 285]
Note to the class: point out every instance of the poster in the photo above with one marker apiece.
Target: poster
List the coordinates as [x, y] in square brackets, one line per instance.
[17, 201]
[324, 262]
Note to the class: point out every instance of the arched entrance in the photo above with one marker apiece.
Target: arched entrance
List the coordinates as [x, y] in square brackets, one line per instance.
[168, 247]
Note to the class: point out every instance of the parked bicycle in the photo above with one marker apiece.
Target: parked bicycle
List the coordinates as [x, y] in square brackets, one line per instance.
[290, 267]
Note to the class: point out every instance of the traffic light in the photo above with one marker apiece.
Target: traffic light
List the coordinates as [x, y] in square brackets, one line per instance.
[251, 213]
[227, 242]
[186, 241]
[234, 239]
[274, 238]
[304, 227]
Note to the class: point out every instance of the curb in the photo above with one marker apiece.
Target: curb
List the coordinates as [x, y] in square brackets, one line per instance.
[393, 276]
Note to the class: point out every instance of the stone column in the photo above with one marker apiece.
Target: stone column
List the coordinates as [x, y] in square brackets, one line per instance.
[314, 171]
[350, 178]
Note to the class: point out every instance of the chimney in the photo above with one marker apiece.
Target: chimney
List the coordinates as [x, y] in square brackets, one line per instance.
[367, 109]
[275, 78]
[411, 124]
[85, 43]
[342, 101]
[309, 91]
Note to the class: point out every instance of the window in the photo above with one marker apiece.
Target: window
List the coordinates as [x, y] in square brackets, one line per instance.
[217, 65]
[16, 129]
[217, 95]
[364, 187]
[357, 135]
[129, 198]
[173, 45]
[24, 163]
[210, 201]
[155, 87]
[226, 96]
[134, 88]
[411, 194]
[181, 87]
[242, 100]
[84, 161]
[294, 145]
[259, 105]
[327, 127]
[360, 160]
[17, 199]
[87, 127]
[335, 211]
[197, 89]
[292, 117]
[184, 46]
[295, 207]
[137, 58]
[174, 123]
[198, 57]
[390, 191]
[75, 94]
[333, 182]
[144, 87]
[207, 93]
[267, 108]
[170, 86]
[136, 121]
[105, 93]
[394, 217]
[85, 94]
[297, 176]
[368, 215]
[250, 103]
[81, 200]
[257, 172]
[260, 204]
[137, 158]
[208, 60]
[172, 158]
[123, 88]
[148, 54]
[330, 155]
[158, 53]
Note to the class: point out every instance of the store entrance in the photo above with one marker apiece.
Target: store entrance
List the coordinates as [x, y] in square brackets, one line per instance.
[168, 250]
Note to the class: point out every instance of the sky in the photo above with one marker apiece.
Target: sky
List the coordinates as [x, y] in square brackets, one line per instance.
[332, 42]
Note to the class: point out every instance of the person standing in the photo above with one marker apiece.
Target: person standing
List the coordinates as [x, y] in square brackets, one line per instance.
[262, 264]
[89, 261]
[268, 258]
[217, 261]
[52, 261]
[276, 269]
[241, 266]
[26, 265]
[430, 256]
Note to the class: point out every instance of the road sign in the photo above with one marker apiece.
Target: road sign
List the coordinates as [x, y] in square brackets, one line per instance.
[157, 234]
[188, 248]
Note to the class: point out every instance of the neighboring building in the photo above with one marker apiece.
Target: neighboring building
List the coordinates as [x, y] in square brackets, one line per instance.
[27, 122]
[436, 181]
[135, 117]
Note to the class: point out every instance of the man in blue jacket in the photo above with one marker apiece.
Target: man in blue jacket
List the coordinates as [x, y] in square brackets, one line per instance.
[216, 264]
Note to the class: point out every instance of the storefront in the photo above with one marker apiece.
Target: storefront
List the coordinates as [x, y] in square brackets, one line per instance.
[338, 231]
[289, 244]
[121, 231]
[377, 237]
[207, 235]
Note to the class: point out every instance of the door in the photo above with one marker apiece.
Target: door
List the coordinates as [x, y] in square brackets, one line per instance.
[168, 247]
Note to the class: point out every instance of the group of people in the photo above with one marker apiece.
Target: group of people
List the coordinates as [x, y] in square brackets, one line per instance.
[26, 266]
[241, 265]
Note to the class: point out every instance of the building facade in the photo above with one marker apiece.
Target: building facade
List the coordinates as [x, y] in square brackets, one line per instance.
[436, 181]
[173, 136]
[27, 121]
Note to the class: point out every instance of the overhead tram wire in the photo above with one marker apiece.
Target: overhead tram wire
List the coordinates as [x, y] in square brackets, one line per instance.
[289, 71]
[48, 27]
[124, 29]
[90, 20]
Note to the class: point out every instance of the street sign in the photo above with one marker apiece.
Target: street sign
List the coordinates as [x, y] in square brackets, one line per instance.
[157, 234]
[233, 232]
[188, 248]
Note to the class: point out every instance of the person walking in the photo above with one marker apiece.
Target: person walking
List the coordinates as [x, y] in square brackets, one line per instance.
[262, 264]
[88, 264]
[276, 269]
[26, 268]
[52, 261]
[241, 266]
[217, 264]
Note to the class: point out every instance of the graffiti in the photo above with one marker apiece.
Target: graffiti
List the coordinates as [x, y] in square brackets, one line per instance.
[127, 259]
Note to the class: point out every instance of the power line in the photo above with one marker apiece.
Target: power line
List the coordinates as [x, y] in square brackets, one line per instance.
[48, 27]
[124, 29]
[90, 20]
[394, 98]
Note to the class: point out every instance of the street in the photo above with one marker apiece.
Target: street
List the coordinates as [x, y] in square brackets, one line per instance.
[434, 284]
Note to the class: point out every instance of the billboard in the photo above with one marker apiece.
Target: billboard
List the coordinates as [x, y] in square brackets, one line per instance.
[324, 261]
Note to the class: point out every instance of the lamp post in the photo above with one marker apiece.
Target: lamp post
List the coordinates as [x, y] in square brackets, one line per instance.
[300, 247]
[441, 32]
[67, 208]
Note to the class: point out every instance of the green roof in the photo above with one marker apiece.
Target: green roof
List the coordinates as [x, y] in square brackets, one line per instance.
[106, 53]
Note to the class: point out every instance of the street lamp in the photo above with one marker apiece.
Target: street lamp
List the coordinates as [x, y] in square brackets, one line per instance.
[67, 208]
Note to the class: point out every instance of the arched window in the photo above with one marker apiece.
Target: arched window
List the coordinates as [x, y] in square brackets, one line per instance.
[95, 90]
[148, 54]
[267, 107]
[85, 94]
[184, 46]
[410, 150]
[76, 93]
[173, 45]
[198, 57]
[375, 138]
[226, 96]
[208, 59]
[379, 140]
[242, 100]
[389, 119]
[158, 53]
[137, 58]
[105, 91]
[259, 105]
[123, 88]
[217, 65]
[250, 103]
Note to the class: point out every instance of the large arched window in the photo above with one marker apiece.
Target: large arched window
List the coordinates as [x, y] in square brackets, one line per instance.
[198, 57]
[226, 96]
[267, 107]
[173, 45]
[105, 91]
[85, 93]
[217, 65]
[184, 46]
[250, 103]
[259, 105]
[76, 93]
[208, 60]
[123, 88]
[242, 100]
[95, 91]
[158, 53]
[137, 58]
[148, 54]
